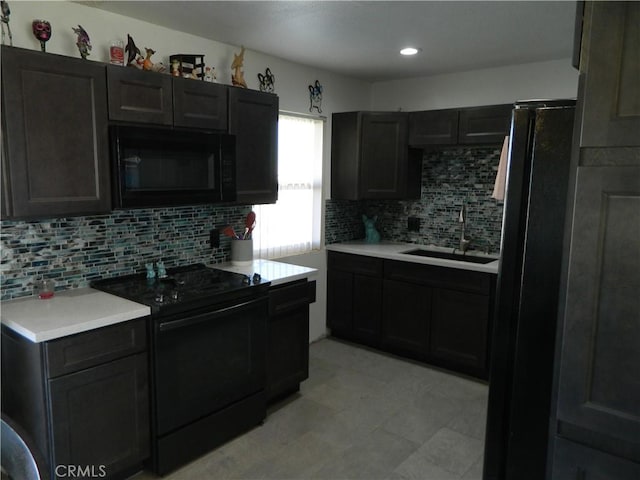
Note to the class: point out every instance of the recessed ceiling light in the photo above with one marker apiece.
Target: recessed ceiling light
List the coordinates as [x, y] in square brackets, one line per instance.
[409, 51]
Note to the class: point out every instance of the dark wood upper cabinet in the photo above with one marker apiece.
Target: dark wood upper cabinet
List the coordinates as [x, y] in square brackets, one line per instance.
[611, 107]
[152, 98]
[433, 127]
[484, 124]
[54, 118]
[138, 96]
[199, 104]
[370, 158]
[463, 126]
[253, 119]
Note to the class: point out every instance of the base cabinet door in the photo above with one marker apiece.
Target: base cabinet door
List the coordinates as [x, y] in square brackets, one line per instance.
[354, 297]
[100, 417]
[459, 328]
[340, 301]
[572, 461]
[406, 313]
[288, 337]
[367, 292]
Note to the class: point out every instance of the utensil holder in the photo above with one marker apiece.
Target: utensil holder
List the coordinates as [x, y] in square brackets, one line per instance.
[241, 252]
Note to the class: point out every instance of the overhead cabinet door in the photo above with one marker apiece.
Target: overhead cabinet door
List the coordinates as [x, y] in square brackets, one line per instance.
[253, 119]
[138, 96]
[54, 112]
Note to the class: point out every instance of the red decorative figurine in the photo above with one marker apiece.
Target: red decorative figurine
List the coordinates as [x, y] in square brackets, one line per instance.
[42, 31]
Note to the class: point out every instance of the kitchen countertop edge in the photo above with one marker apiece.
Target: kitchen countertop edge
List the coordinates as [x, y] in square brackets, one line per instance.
[278, 273]
[392, 251]
[68, 313]
[43, 320]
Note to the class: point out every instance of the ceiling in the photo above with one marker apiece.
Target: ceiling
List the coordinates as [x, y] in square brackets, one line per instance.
[361, 39]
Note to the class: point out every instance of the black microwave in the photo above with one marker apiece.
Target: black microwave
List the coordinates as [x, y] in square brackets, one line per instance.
[156, 167]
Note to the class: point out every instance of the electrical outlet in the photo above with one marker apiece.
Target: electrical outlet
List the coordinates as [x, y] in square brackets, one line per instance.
[413, 224]
[214, 238]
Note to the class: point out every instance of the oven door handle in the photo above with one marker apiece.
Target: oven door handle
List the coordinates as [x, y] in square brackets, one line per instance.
[203, 317]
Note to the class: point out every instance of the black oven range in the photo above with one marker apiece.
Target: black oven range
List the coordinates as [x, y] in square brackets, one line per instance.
[208, 333]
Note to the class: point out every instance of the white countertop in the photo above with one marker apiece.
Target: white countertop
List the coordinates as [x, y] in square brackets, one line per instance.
[67, 313]
[80, 310]
[393, 251]
[276, 272]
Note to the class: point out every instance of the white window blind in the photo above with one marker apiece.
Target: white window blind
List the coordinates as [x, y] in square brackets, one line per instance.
[292, 225]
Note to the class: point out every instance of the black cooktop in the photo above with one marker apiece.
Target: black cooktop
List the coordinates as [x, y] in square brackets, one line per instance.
[183, 288]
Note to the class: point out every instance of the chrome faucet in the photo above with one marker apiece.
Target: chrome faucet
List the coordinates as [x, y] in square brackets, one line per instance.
[464, 241]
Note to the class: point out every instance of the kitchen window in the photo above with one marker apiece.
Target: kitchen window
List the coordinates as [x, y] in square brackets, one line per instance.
[291, 226]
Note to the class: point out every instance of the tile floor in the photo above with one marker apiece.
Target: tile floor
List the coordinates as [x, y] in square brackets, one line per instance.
[361, 414]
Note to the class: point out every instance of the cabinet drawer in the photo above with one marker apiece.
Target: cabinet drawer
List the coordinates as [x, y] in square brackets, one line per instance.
[443, 277]
[291, 296]
[84, 350]
[359, 264]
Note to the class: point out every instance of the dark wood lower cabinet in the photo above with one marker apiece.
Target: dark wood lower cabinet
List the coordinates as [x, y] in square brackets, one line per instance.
[459, 330]
[340, 301]
[83, 399]
[100, 416]
[435, 314]
[406, 312]
[354, 297]
[367, 316]
[573, 461]
[288, 337]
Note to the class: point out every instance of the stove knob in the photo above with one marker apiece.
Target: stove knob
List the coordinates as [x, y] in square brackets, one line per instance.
[246, 280]
[159, 297]
[256, 278]
[174, 295]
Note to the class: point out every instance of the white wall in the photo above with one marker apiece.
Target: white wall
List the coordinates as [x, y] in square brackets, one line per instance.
[552, 79]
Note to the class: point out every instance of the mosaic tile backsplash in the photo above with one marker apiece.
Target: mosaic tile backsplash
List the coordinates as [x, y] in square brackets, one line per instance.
[75, 250]
[450, 177]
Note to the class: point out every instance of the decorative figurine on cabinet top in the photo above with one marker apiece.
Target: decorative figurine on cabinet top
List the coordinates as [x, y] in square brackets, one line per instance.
[315, 97]
[132, 51]
[371, 235]
[6, 12]
[83, 42]
[147, 64]
[267, 81]
[42, 31]
[210, 75]
[237, 77]
[175, 68]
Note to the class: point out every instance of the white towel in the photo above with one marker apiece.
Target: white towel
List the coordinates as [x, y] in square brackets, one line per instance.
[501, 176]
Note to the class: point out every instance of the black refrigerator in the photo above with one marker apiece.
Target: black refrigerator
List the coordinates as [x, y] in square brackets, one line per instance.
[525, 314]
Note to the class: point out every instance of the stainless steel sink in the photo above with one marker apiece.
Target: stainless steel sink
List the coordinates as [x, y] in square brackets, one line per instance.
[450, 256]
